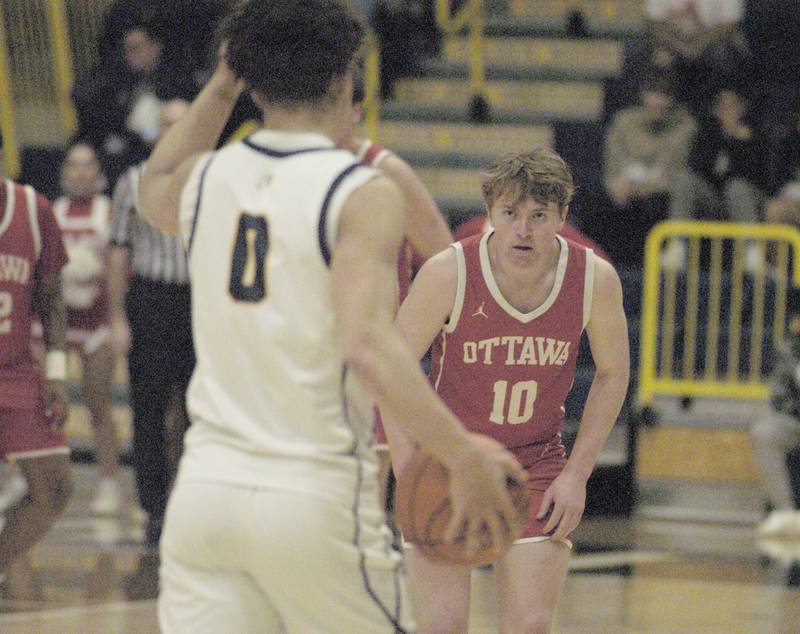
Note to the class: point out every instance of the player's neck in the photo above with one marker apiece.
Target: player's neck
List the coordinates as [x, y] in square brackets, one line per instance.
[302, 120]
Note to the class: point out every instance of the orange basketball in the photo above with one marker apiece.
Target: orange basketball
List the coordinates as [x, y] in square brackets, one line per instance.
[422, 509]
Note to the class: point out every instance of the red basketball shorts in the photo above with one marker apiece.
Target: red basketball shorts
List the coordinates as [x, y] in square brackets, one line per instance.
[28, 434]
[544, 462]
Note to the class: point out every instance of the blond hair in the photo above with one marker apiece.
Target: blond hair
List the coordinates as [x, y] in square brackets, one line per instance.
[540, 174]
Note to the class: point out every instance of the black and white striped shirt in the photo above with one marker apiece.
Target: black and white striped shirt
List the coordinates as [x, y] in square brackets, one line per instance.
[154, 255]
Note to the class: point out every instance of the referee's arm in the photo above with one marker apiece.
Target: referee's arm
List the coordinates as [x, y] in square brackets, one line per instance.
[119, 260]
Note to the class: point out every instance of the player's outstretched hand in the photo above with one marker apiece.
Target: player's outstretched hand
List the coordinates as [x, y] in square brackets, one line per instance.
[479, 493]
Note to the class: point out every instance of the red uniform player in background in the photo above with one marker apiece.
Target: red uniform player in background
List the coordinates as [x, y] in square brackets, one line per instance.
[32, 408]
[84, 215]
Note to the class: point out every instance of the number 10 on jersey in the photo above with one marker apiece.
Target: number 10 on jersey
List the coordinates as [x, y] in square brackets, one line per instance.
[516, 408]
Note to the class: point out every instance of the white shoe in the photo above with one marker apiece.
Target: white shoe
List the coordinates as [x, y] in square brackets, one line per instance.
[108, 498]
[673, 258]
[13, 488]
[785, 552]
[781, 523]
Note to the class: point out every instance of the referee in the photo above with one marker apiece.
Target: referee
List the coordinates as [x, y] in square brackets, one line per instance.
[150, 314]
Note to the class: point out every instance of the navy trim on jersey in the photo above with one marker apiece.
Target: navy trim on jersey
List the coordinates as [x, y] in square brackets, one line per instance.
[283, 154]
[394, 619]
[197, 203]
[322, 229]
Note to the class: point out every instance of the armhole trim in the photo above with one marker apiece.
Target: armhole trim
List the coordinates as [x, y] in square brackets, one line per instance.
[588, 286]
[461, 286]
[30, 198]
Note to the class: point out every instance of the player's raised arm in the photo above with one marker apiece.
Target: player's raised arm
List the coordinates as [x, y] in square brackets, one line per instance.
[608, 337]
[363, 270]
[425, 226]
[175, 154]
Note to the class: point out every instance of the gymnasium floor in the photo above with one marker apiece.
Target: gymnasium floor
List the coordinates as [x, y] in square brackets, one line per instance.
[640, 575]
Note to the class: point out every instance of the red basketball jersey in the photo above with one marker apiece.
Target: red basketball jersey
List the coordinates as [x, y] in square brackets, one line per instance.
[30, 246]
[505, 373]
[85, 225]
[372, 154]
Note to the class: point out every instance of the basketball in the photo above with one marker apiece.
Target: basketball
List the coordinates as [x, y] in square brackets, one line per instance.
[422, 510]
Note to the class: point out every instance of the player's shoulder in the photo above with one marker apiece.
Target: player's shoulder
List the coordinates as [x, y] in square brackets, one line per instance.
[25, 192]
[442, 268]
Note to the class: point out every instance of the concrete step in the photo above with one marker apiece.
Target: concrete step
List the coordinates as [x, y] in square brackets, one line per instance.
[475, 143]
[601, 16]
[453, 184]
[542, 57]
[557, 100]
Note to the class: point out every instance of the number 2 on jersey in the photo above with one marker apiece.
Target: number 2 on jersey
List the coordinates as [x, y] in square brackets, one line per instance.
[6, 305]
[520, 404]
[248, 268]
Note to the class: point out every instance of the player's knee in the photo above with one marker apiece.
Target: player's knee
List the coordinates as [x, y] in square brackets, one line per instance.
[539, 623]
[446, 622]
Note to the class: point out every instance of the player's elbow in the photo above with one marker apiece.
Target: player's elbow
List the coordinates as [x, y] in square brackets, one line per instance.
[362, 349]
[157, 207]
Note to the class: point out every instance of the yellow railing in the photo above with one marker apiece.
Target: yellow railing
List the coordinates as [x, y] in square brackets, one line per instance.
[372, 85]
[471, 17]
[62, 67]
[692, 297]
[7, 124]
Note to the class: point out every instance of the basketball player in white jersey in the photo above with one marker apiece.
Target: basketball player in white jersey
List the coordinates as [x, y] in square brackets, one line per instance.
[274, 523]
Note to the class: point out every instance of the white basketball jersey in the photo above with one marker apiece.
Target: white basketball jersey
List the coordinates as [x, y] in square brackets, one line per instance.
[259, 219]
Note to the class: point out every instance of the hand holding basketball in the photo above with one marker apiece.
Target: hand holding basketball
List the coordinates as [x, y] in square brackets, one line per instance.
[467, 514]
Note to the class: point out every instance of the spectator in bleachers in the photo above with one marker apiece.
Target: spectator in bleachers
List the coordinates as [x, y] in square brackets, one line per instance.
[725, 175]
[118, 105]
[84, 214]
[772, 29]
[646, 146]
[701, 42]
[407, 34]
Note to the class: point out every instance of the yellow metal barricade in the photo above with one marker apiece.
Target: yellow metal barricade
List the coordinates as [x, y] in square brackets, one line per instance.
[707, 319]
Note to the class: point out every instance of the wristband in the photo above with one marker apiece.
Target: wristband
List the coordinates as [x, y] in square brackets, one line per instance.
[56, 365]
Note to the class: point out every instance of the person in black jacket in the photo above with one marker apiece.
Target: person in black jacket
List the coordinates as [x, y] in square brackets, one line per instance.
[725, 174]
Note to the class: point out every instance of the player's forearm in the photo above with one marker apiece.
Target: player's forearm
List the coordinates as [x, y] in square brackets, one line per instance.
[599, 415]
[407, 401]
[117, 283]
[197, 131]
[53, 313]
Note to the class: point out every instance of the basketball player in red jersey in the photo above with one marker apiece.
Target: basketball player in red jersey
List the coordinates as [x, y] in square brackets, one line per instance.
[83, 214]
[505, 311]
[32, 411]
